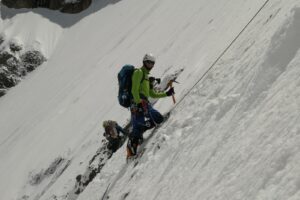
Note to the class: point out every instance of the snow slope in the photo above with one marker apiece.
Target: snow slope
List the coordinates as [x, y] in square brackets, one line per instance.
[234, 136]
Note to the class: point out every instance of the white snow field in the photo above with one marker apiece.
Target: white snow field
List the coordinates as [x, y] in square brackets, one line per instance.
[233, 134]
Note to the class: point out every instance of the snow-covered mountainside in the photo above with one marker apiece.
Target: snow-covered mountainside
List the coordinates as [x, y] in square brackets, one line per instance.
[233, 134]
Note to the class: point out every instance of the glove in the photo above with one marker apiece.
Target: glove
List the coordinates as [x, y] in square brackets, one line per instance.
[151, 79]
[170, 92]
[158, 80]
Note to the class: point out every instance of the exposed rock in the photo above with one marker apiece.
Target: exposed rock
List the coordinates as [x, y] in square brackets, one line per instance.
[4, 57]
[32, 59]
[7, 80]
[13, 67]
[76, 7]
[53, 166]
[54, 5]
[15, 46]
[57, 166]
[18, 3]
[2, 92]
[66, 6]
[1, 39]
[37, 178]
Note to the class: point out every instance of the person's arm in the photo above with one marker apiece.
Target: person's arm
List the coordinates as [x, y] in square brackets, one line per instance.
[154, 94]
[136, 84]
[120, 129]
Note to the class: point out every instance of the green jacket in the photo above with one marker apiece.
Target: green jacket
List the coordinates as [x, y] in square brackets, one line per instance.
[140, 87]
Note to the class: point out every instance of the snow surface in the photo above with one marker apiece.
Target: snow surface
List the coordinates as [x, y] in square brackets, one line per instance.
[234, 136]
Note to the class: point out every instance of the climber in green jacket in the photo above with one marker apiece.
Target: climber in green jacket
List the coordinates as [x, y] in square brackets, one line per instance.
[143, 115]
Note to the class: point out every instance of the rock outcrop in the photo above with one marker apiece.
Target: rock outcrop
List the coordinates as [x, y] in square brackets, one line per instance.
[66, 6]
[15, 63]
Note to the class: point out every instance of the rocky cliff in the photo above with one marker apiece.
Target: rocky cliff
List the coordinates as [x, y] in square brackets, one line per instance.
[15, 63]
[66, 6]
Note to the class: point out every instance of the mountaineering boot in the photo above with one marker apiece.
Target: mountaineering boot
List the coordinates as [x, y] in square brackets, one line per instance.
[131, 148]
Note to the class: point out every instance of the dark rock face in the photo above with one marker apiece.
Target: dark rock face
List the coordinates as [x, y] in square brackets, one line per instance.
[1, 39]
[2, 92]
[17, 3]
[14, 46]
[15, 64]
[7, 80]
[62, 5]
[4, 57]
[55, 169]
[76, 7]
[32, 59]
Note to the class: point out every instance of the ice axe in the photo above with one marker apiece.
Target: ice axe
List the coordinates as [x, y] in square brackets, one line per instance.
[170, 85]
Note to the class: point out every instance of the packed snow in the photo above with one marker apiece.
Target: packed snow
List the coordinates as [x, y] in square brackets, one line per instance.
[233, 135]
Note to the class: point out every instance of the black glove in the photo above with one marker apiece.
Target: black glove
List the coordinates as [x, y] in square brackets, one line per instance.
[151, 79]
[158, 80]
[170, 92]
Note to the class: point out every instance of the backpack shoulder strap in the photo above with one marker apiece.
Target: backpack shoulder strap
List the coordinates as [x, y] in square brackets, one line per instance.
[143, 77]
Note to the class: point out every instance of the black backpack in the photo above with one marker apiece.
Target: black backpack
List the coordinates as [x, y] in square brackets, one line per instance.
[124, 78]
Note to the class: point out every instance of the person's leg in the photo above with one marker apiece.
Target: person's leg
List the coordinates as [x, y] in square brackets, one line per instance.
[136, 136]
[138, 125]
[155, 116]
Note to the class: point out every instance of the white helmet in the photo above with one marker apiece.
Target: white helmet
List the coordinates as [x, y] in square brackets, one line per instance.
[149, 57]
